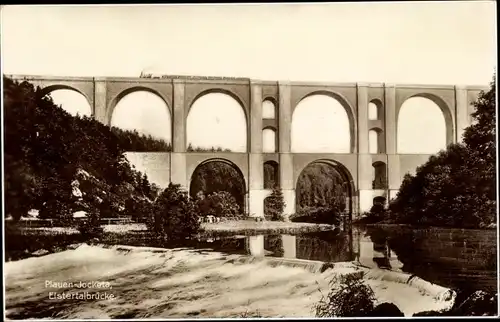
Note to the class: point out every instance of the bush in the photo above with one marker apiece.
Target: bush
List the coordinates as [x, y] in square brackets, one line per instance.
[91, 226]
[174, 216]
[318, 215]
[138, 210]
[219, 204]
[274, 205]
[376, 214]
[349, 297]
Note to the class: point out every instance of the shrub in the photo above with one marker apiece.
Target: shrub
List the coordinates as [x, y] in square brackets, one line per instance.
[174, 216]
[91, 226]
[219, 204]
[349, 297]
[138, 210]
[376, 214]
[318, 215]
[274, 205]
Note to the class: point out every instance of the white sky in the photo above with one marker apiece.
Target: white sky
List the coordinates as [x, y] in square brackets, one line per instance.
[428, 43]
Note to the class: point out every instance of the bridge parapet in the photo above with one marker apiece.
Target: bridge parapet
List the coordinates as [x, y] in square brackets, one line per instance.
[240, 80]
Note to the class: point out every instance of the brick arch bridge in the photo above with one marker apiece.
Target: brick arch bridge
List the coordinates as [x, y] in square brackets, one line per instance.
[180, 92]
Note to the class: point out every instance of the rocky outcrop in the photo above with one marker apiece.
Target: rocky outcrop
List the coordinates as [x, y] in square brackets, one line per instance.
[386, 310]
[479, 303]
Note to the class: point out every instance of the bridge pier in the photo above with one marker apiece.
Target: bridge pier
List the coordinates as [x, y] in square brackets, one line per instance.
[100, 107]
[178, 170]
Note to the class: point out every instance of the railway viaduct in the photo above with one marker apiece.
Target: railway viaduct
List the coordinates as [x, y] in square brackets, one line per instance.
[368, 174]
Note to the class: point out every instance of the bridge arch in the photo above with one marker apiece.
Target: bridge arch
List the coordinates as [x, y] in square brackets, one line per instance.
[375, 111]
[379, 175]
[236, 129]
[237, 184]
[271, 174]
[61, 87]
[339, 98]
[269, 110]
[269, 140]
[133, 89]
[348, 184]
[436, 101]
[217, 90]
[144, 111]
[376, 140]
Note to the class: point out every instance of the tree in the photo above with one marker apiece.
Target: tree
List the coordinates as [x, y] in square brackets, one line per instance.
[275, 205]
[174, 217]
[47, 149]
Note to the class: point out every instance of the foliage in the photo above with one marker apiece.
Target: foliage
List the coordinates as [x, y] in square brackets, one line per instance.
[318, 215]
[90, 227]
[190, 148]
[60, 164]
[274, 205]
[274, 243]
[136, 142]
[138, 209]
[349, 297]
[218, 204]
[321, 194]
[271, 174]
[216, 176]
[175, 216]
[380, 183]
[376, 214]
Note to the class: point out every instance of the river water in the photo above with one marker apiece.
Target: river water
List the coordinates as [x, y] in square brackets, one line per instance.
[284, 276]
[454, 258]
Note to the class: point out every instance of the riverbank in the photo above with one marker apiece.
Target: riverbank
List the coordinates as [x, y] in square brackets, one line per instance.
[183, 283]
[362, 222]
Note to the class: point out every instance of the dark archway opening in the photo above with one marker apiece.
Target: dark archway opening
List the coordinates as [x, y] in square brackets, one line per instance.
[217, 176]
[379, 176]
[379, 201]
[323, 194]
[271, 174]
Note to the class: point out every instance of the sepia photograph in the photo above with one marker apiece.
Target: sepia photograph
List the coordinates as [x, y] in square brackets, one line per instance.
[242, 161]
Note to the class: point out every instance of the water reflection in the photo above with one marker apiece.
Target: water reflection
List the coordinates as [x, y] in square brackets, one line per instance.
[458, 258]
[451, 258]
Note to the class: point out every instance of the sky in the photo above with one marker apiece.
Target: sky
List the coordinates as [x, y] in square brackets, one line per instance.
[422, 42]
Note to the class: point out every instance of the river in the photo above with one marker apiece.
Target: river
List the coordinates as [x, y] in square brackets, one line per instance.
[284, 277]
[454, 258]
